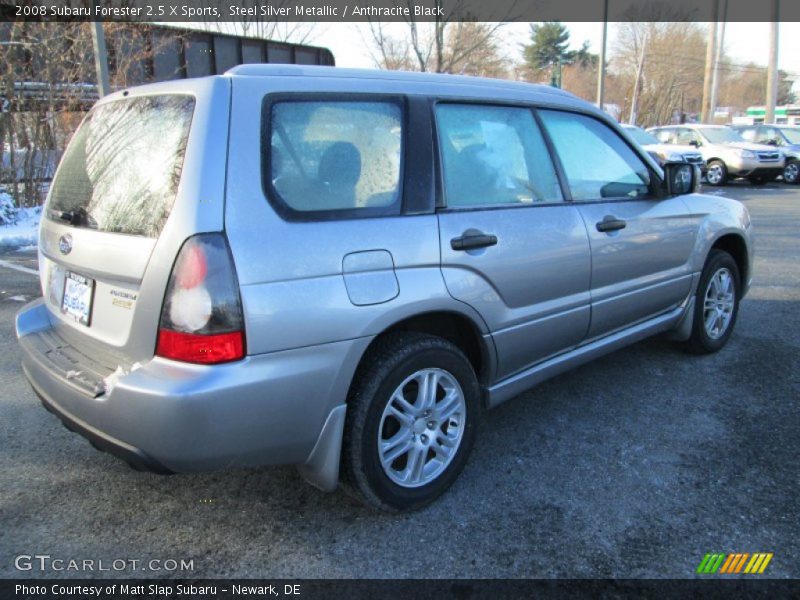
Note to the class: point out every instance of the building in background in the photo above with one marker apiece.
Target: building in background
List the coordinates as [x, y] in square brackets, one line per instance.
[784, 115]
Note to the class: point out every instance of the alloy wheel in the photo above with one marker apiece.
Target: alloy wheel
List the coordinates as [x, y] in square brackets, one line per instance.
[421, 427]
[791, 172]
[719, 303]
[714, 174]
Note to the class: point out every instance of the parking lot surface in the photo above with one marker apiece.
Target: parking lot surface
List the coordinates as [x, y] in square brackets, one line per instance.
[635, 465]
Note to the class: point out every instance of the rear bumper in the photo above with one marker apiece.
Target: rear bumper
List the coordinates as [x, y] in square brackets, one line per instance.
[167, 416]
[135, 457]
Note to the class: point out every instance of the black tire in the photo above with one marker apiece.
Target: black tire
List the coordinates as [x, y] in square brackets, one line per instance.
[791, 172]
[701, 341]
[723, 173]
[390, 362]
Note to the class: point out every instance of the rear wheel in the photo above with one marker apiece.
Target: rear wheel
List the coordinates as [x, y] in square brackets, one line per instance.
[716, 304]
[791, 172]
[411, 421]
[717, 173]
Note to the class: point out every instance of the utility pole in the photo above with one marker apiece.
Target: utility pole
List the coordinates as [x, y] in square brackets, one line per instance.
[639, 69]
[772, 69]
[711, 48]
[100, 59]
[712, 108]
[601, 71]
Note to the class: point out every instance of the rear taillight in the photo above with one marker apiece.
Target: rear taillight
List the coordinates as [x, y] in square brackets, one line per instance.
[201, 320]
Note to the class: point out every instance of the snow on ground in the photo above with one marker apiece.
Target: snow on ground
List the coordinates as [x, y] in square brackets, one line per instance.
[24, 233]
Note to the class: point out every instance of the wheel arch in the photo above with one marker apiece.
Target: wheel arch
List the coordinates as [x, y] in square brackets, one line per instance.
[453, 326]
[735, 245]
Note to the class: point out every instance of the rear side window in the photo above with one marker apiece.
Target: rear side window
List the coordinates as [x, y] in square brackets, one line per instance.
[121, 170]
[597, 162]
[335, 155]
[494, 155]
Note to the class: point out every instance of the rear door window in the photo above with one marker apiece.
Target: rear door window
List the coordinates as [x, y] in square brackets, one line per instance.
[121, 171]
[597, 162]
[334, 155]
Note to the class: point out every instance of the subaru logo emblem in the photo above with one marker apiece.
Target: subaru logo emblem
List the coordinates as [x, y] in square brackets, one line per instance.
[65, 244]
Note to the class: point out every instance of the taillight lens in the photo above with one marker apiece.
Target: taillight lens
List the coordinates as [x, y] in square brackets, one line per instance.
[201, 320]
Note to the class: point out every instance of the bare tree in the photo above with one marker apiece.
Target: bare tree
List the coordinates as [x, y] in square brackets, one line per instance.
[744, 85]
[671, 77]
[448, 44]
[47, 83]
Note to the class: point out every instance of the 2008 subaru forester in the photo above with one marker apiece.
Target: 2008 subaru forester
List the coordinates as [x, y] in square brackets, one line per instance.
[339, 269]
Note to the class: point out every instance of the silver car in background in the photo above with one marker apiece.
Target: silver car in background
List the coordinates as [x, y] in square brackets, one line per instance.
[340, 269]
[726, 153]
[784, 137]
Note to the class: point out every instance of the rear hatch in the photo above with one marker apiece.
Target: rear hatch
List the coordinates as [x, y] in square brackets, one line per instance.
[138, 177]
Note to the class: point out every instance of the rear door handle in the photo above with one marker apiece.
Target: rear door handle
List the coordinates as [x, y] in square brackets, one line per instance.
[471, 240]
[610, 223]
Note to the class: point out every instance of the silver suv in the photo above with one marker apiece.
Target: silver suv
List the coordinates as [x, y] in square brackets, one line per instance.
[785, 137]
[726, 153]
[340, 269]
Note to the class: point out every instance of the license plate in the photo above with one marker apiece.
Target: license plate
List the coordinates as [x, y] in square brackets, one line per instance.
[77, 300]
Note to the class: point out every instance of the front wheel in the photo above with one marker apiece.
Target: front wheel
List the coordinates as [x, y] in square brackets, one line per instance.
[411, 421]
[791, 172]
[717, 173]
[716, 304]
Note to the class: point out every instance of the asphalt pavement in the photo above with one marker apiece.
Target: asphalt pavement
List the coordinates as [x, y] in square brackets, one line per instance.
[635, 465]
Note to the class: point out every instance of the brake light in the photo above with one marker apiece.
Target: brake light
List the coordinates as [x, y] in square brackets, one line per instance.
[201, 319]
[203, 349]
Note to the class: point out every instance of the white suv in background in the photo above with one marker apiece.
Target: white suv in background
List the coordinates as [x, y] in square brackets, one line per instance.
[726, 153]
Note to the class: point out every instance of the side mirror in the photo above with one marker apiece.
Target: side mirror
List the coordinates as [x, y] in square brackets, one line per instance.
[694, 143]
[772, 142]
[681, 178]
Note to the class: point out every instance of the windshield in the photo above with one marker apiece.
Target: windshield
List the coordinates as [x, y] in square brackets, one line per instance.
[720, 135]
[121, 170]
[641, 136]
[791, 135]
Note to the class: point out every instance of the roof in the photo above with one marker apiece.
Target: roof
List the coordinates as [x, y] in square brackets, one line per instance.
[266, 70]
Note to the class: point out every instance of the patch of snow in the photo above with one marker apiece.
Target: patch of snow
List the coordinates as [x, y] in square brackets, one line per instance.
[23, 232]
[18, 298]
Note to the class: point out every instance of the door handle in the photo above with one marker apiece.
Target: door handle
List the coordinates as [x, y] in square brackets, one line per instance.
[610, 223]
[473, 239]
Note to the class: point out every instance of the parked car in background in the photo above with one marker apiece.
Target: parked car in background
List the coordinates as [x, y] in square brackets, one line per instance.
[726, 153]
[340, 269]
[785, 137]
[663, 153]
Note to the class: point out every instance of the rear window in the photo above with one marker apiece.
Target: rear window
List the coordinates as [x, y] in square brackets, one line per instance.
[341, 156]
[121, 171]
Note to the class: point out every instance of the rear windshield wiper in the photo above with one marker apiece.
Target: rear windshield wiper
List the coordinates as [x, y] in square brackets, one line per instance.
[75, 217]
